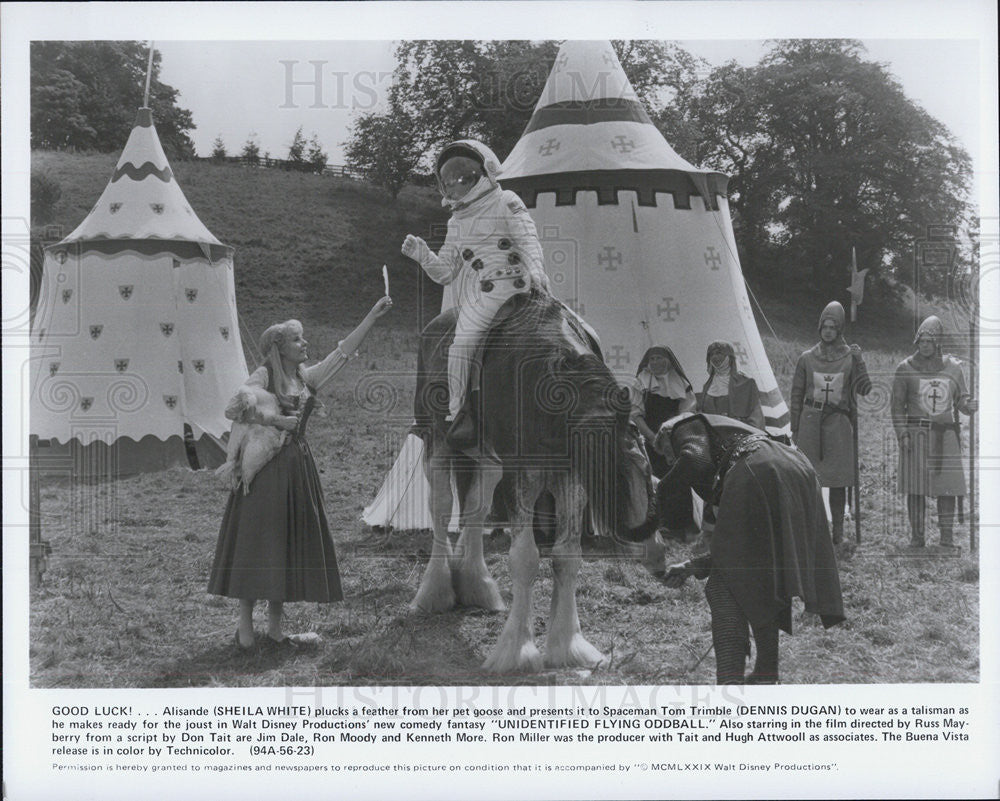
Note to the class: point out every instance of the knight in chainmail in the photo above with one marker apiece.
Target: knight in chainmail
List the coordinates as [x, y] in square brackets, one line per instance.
[769, 543]
[928, 393]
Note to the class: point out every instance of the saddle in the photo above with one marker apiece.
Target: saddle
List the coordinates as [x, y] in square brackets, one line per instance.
[516, 320]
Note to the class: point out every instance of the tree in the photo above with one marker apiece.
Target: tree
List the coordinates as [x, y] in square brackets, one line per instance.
[218, 149]
[297, 151]
[251, 150]
[826, 153]
[84, 96]
[385, 147]
[316, 156]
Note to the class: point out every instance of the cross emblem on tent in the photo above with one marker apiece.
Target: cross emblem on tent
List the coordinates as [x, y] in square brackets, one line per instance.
[121, 365]
[741, 353]
[199, 365]
[125, 291]
[623, 144]
[157, 208]
[95, 331]
[712, 259]
[549, 147]
[191, 294]
[86, 403]
[170, 401]
[224, 330]
[669, 310]
[66, 295]
[619, 355]
[53, 368]
[166, 329]
[610, 258]
[115, 207]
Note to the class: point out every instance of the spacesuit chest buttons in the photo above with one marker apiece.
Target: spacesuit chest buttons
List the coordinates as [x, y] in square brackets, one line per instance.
[467, 254]
[477, 264]
[513, 258]
[487, 286]
[504, 244]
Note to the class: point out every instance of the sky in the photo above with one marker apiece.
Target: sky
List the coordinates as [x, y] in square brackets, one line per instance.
[234, 89]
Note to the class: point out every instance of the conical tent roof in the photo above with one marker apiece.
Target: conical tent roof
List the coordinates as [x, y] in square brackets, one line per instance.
[143, 204]
[136, 340]
[638, 240]
[589, 118]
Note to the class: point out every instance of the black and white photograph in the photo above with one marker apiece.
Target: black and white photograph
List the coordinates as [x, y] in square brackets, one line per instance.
[423, 393]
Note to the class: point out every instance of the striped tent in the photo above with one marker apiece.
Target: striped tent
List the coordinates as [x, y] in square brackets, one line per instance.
[135, 343]
[636, 239]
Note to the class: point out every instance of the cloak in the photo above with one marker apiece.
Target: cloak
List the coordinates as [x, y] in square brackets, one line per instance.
[771, 541]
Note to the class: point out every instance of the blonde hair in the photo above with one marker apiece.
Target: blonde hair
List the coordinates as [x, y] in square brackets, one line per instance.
[270, 346]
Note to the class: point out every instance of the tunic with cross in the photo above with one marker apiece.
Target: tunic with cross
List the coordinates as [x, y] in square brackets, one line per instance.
[927, 395]
[822, 401]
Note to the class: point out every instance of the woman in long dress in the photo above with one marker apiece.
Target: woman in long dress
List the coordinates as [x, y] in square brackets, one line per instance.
[274, 542]
[661, 391]
[728, 391]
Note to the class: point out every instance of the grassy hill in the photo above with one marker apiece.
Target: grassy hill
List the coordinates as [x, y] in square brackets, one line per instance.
[307, 246]
[312, 247]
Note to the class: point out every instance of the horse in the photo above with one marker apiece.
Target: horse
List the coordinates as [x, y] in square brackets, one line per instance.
[554, 443]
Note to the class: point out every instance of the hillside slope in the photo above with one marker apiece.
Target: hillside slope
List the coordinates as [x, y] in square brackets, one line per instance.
[312, 246]
[307, 246]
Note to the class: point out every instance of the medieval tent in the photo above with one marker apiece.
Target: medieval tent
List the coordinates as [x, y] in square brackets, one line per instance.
[637, 240]
[136, 345]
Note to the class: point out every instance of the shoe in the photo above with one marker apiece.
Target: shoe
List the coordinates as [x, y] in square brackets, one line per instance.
[462, 433]
[756, 678]
[241, 647]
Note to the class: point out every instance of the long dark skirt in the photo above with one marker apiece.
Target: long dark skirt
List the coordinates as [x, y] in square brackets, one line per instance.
[274, 543]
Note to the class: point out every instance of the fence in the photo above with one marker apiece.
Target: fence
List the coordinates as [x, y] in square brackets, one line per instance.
[262, 162]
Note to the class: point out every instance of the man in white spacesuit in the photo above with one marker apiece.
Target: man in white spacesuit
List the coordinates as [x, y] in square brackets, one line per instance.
[490, 254]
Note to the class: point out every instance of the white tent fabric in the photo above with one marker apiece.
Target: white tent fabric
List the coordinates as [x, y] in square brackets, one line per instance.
[136, 333]
[637, 240]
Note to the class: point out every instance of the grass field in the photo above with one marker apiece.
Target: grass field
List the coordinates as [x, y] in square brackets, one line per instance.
[123, 602]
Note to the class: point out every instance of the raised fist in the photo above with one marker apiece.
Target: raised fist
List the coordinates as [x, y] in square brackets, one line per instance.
[414, 247]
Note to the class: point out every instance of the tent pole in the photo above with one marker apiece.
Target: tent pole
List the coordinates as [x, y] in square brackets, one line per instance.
[149, 73]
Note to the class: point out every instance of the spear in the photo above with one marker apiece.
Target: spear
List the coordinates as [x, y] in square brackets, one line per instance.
[857, 474]
[973, 381]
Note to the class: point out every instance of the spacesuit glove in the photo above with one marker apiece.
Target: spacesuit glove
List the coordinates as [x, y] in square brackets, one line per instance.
[416, 249]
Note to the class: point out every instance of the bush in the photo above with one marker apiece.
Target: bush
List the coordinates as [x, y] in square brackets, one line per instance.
[45, 193]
